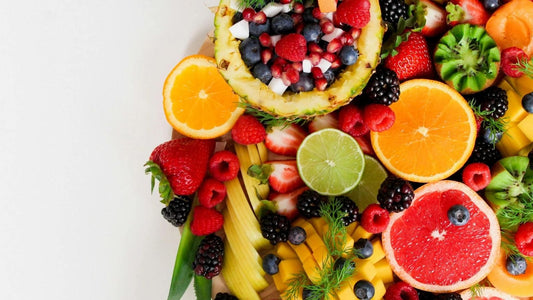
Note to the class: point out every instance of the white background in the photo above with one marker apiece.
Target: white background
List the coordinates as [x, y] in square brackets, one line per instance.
[80, 112]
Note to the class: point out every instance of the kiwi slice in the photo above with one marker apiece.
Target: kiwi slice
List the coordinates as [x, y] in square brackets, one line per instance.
[509, 180]
[467, 58]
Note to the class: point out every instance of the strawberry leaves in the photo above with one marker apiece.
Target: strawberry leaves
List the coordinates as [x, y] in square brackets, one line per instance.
[165, 190]
[415, 22]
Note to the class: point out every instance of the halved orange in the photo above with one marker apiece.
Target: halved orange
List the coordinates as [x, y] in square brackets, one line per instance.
[433, 135]
[198, 102]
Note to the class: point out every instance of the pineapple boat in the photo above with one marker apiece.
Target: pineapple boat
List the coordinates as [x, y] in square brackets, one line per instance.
[337, 84]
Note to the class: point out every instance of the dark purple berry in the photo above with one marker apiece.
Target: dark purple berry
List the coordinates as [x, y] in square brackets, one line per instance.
[458, 215]
[297, 235]
[270, 264]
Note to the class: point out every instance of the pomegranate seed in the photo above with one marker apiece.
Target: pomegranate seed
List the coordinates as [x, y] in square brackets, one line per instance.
[355, 32]
[299, 28]
[266, 55]
[336, 63]
[317, 73]
[276, 70]
[285, 1]
[293, 75]
[298, 8]
[280, 61]
[287, 67]
[260, 18]
[321, 84]
[297, 18]
[317, 14]
[265, 40]
[314, 47]
[248, 14]
[297, 66]
[347, 39]
[285, 79]
[315, 57]
[334, 46]
[327, 27]
[329, 56]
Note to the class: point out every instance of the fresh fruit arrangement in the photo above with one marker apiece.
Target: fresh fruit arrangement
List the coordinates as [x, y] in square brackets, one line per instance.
[353, 149]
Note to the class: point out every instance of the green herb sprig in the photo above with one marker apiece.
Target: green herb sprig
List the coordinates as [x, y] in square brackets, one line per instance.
[495, 126]
[514, 214]
[525, 66]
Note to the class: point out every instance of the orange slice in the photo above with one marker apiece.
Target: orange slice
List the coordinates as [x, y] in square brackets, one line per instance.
[433, 135]
[198, 102]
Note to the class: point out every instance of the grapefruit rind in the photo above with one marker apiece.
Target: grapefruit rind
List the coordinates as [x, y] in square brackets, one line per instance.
[486, 293]
[494, 229]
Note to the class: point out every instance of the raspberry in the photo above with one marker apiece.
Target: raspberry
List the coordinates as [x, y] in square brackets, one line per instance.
[224, 165]
[476, 176]
[248, 130]
[375, 218]
[378, 117]
[351, 121]
[292, 47]
[355, 13]
[510, 56]
[206, 221]
[524, 239]
[211, 192]
[401, 291]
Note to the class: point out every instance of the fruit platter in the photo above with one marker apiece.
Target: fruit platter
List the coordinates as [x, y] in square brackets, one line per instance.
[352, 149]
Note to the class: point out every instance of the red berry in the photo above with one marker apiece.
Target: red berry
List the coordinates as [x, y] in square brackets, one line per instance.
[334, 46]
[351, 121]
[224, 165]
[336, 63]
[317, 73]
[378, 117]
[298, 8]
[265, 40]
[327, 26]
[355, 13]
[314, 48]
[401, 291]
[347, 39]
[211, 192]
[329, 56]
[510, 56]
[285, 1]
[292, 46]
[321, 84]
[317, 14]
[248, 130]
[299, 28]
[476, 176]
[524, 238]
[297, 66]
[413, 58]
[280, 61]
[297, 19]
[206, 221]
[315, 58]
[248, 14]
[375, 218]
[276, 70]
[260, 18]
[292, 74]
[266, 55]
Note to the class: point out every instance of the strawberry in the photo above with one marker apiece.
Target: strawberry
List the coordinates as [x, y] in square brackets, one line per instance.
[284, 177]
[466, 11]
[206, 221]
[413, 58]
[355, 13]
[285, 140]
[365, 144]
[286, 202]
[324, 121]
[180, 166]
[435, 17]
[248, 130]
[292, 46]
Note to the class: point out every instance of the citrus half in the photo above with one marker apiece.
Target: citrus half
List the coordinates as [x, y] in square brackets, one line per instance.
[366, 191]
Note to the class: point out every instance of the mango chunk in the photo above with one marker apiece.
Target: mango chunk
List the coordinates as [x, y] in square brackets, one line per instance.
[379, 289]
[284, 251]
[384, 271]
[361, 233]
[512, 141]
[526, 126]
[302, 251]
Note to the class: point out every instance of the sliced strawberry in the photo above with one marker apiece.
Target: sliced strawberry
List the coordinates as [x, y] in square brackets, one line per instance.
[466, 11]
[284, 177]
[285, 140]
[435, 17]
[365, 144]
[286, 203]
[324, 121]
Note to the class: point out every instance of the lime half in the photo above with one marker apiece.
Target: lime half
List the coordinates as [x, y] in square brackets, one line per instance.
[330, 162]
[366, 191]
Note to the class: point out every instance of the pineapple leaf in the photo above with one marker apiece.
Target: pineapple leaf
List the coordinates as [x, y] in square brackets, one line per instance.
[269, 120]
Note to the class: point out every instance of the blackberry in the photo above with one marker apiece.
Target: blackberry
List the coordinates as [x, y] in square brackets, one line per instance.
[448, 296]
[225, 296]
[275, 227]
[484, 152]
[208, 260]
[423, 295]
[395, 194]
[177, 210]
[493, 99]
[383, 87]
[308, 204]
[350, 208]
[392, 10]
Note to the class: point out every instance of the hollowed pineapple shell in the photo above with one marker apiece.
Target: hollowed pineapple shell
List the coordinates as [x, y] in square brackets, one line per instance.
[348, 84]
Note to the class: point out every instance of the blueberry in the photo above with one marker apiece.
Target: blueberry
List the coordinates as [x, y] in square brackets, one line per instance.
[262, 72]
[256, 29]
[330, 76]
[311, 32]
[363, 290]
[270, 264]
[297, 235]
[282, 24]
[250, 50]
[458, 215]
[348, 55]
[491, 5]
[308, 16]
[306, 293]
[527, 102]
[340, 262]
[364, 248]
[489, 136]
[236, 17]
[305, 83]
[516, 264]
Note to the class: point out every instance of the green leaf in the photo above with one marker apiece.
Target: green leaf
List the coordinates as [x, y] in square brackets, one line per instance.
[202, 288]
[165, 190]
[260, 172]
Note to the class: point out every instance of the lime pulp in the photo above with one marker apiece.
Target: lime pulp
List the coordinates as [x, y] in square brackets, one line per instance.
[366, 191]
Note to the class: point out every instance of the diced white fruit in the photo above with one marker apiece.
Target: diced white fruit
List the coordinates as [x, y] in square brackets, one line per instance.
[335, 34]
[240, 30]
[324, 65]
[329, 16]
[306, 66]
[277, 86]
[275, 39]
[287, 7]
[272, 9]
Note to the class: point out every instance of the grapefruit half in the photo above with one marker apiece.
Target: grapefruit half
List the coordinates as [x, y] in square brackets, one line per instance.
[426, 250]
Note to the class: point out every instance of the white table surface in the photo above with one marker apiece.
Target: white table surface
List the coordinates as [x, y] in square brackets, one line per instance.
[80, 112]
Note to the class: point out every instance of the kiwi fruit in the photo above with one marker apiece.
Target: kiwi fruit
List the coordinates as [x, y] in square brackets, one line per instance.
[467, 58]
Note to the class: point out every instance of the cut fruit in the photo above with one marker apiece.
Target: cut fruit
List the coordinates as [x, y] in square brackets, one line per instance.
[430, 253]
[433, 135]
[198, 102]
[516, 285]
[486, 293]
[366, 191]
[330, 162]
